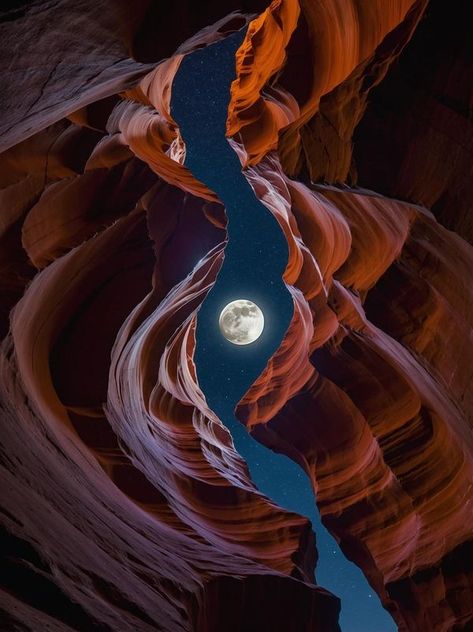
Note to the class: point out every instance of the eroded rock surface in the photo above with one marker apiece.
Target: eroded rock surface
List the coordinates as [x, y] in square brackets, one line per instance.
[124, 503]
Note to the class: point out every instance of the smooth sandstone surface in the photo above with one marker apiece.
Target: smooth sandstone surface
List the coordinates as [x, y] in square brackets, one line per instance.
[124, 504]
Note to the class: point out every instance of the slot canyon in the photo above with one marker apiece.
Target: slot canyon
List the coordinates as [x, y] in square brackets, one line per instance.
[125, 504]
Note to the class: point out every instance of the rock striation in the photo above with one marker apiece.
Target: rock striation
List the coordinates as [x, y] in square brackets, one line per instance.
[124, 505]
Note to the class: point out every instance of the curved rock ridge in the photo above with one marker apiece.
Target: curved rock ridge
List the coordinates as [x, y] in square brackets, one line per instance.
[118, 44]
[391, 301]
[109, 443]
[381, 424]
[321, 43]
[256, 64]
[153, 467]
[124, 503]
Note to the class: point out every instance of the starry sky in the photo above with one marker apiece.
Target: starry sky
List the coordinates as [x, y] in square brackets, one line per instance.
[255, 258]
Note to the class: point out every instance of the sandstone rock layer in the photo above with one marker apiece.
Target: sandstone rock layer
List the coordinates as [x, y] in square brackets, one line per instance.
[124, 503]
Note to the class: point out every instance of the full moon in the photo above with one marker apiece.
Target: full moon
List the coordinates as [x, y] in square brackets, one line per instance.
[241, 322]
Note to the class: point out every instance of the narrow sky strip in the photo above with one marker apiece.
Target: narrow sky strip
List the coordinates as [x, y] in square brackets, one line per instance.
[255, 259]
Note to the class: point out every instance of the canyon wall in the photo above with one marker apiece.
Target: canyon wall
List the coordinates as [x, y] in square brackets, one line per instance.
[124, 503]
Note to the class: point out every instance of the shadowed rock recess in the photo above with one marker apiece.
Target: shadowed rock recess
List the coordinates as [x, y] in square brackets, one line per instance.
[124, 505]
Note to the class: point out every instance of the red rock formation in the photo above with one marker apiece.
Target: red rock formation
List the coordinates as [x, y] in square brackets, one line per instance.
[332, 42]
[382, 424]
[124, 503]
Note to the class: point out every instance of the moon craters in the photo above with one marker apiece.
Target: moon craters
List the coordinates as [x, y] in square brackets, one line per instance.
[241, 322]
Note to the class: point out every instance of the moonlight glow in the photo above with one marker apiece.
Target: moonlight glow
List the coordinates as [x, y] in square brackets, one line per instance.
[241, 322]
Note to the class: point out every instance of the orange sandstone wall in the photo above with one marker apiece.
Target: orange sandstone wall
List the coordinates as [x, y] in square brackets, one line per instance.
[124, 502]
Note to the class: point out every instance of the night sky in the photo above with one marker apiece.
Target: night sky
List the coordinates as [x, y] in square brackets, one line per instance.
[255, 259]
